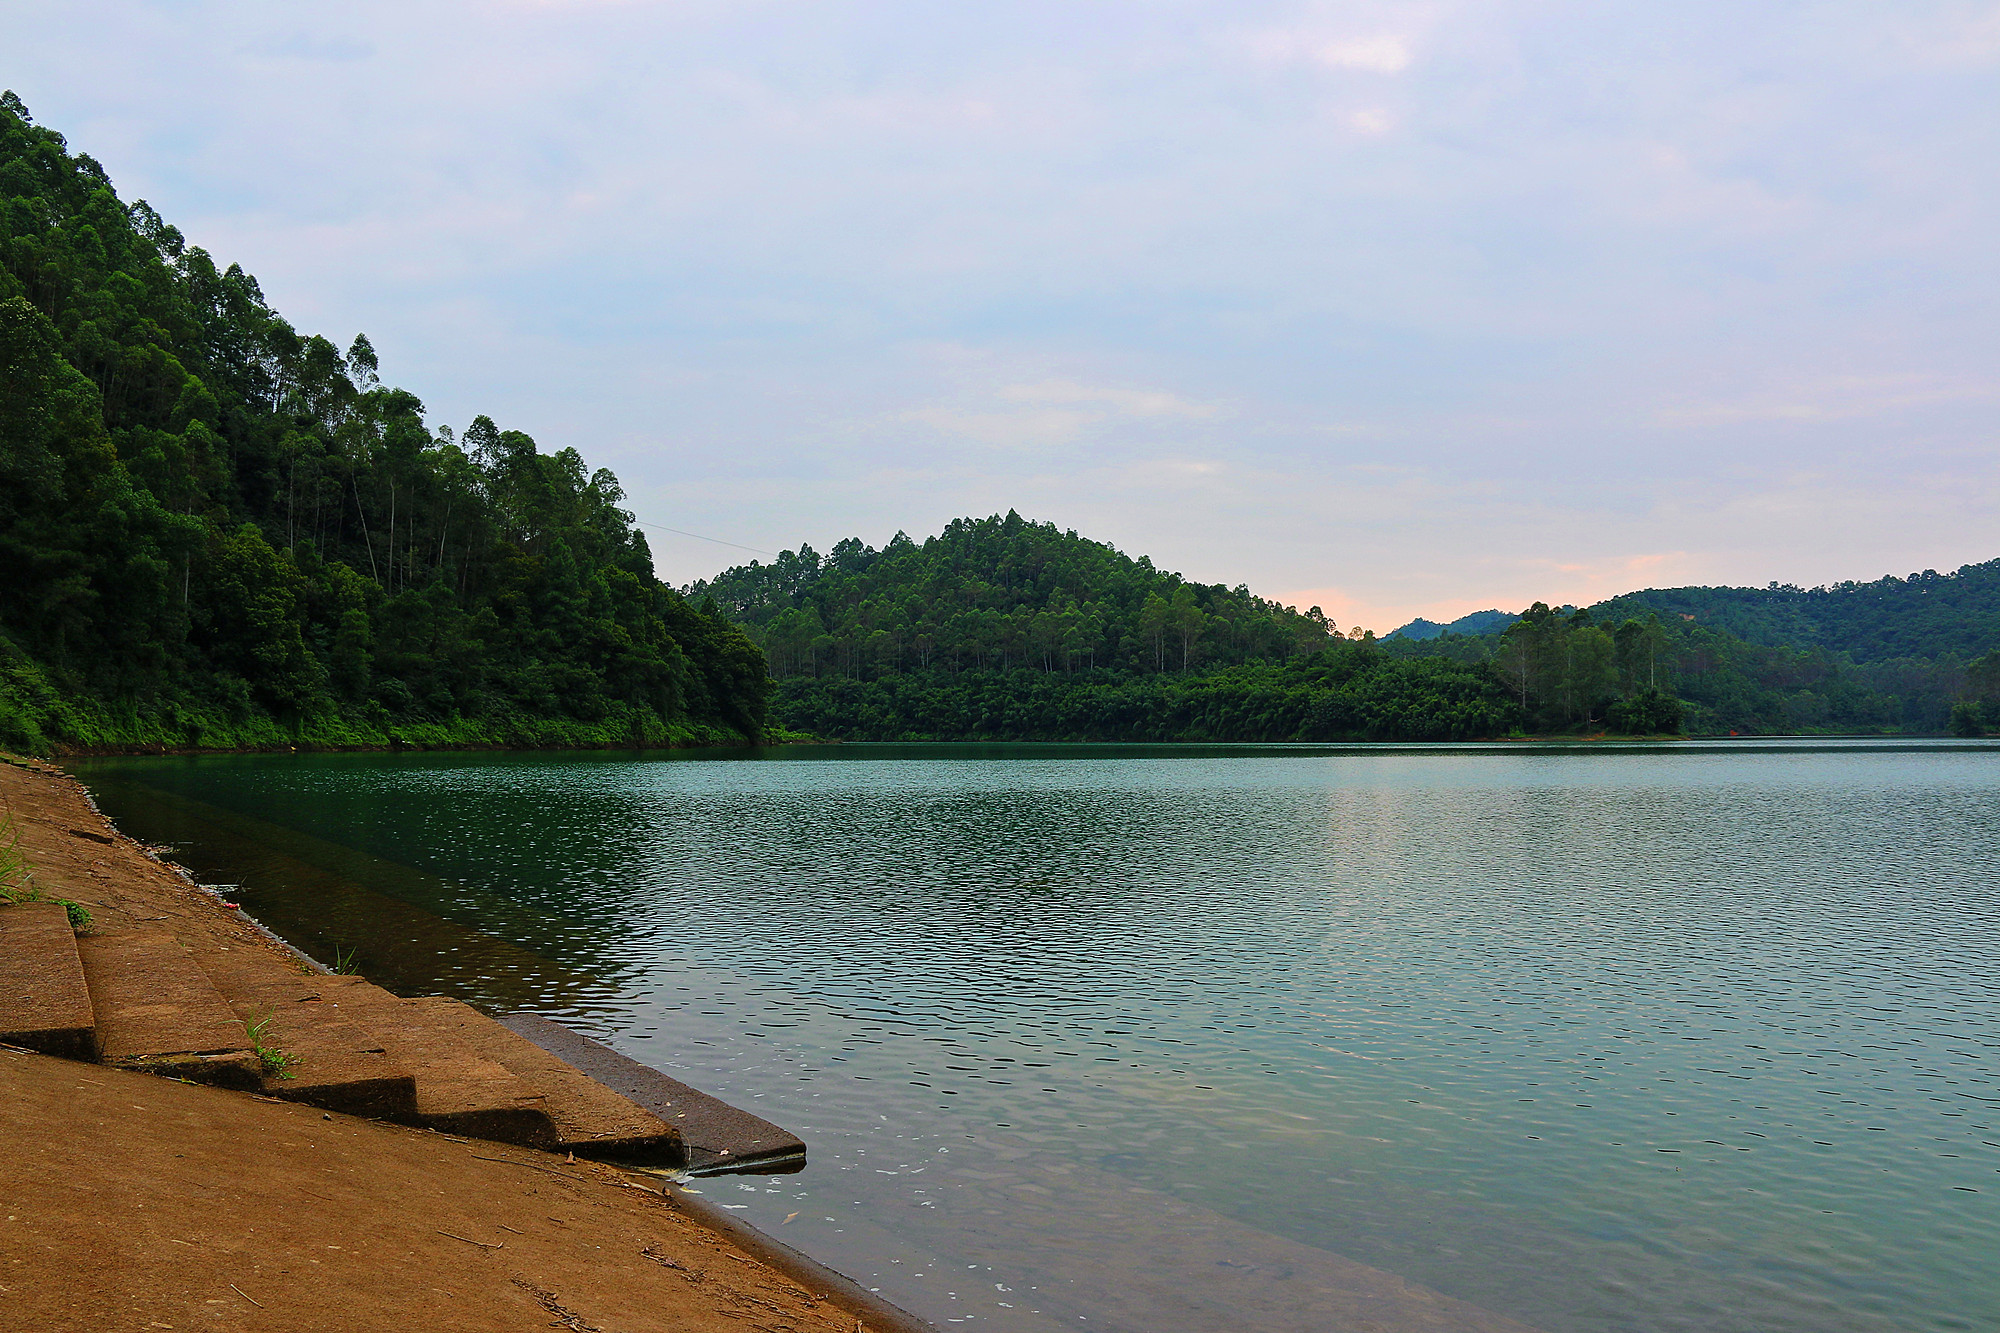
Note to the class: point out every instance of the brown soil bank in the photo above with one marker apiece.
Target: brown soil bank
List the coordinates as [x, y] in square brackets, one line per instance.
[134, 1202]
[267, 1200]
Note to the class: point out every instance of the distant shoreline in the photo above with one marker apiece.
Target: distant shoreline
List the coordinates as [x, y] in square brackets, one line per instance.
[586, 747]
[142, 751]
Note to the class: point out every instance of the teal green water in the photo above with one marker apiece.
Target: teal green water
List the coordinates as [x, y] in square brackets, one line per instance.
[1699, 1037]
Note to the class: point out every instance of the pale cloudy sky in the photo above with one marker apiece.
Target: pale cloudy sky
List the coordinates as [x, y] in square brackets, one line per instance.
[1400, 308]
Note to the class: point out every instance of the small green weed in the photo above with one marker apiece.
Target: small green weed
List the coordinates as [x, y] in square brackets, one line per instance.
[276, 1062]
[14, 867]
[17, 878]
[343, 960]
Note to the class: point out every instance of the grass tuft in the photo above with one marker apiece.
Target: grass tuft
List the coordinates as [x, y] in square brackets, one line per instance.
[14, 867]
[277, 1063]
[17, 877]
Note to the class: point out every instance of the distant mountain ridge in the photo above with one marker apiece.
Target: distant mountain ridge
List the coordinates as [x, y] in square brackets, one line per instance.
[1926, 615]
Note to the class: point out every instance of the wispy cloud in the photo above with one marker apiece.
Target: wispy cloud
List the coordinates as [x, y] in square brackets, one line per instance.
[1378, 53]
[1127, 402]
[1050, 413]
[1834, 399]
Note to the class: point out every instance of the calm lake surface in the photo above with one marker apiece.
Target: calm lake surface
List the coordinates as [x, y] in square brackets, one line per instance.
[1700, 1037]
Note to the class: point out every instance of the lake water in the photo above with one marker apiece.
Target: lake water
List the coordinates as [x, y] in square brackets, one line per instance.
[1700, 1037]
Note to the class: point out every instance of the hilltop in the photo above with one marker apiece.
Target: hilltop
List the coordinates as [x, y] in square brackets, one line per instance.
[1479, 622]
[1001, 628]
[995, 593]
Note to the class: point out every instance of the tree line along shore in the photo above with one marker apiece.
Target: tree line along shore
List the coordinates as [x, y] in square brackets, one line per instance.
[218, 532]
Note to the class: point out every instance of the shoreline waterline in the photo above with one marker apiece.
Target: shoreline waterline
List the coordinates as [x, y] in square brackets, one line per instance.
[52, 807]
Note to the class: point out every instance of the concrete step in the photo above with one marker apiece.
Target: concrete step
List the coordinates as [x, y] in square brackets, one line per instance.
[459, 1089]
[157, 1011]
[330, 1060]
[44, 1003]
[590, 1119]
[715, 1136]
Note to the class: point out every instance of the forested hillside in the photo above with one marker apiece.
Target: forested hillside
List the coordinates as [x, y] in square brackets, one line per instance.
[1479, 622]
[1004, 629]
[1565, 666]
[994, 593]
[216, 530]
[1927, 615]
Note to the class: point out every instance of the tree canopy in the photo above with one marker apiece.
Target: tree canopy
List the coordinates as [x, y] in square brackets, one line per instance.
[217, 530]
[996, 593]
[1926, 615]
[1002, 628]
[1568, 666]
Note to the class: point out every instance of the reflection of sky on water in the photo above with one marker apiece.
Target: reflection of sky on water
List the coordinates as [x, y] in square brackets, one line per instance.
[1694, 1039]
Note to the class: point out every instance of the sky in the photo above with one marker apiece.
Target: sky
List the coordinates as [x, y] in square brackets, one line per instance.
[1393, 308]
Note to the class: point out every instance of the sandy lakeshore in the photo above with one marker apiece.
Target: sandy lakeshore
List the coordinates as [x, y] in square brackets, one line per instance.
[136, 1202]
[133, 1201]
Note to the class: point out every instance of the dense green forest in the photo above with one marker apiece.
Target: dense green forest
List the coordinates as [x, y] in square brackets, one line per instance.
[1916, 654]
[1893, 656]
[1004, 629]
[218, 531]
[994, 594]
[1925, 616]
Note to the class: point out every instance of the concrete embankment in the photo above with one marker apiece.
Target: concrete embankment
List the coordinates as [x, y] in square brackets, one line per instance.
[324, 1154]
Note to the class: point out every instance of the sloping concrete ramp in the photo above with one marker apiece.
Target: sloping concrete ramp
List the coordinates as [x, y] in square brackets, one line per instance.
[44, 1002]
[714, 1135]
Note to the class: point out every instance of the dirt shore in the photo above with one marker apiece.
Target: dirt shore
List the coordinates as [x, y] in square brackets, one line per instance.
[132, 1201]
[136, 1202]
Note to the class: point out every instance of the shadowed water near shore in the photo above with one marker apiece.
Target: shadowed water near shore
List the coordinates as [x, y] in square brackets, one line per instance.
[1592, 1039]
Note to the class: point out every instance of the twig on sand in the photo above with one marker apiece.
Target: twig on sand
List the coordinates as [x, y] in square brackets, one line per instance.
[547, 1171]
[246, 1295]
[470, 1241]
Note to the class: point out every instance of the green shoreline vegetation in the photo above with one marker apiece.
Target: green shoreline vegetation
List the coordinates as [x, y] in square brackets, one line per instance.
[217, 533]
